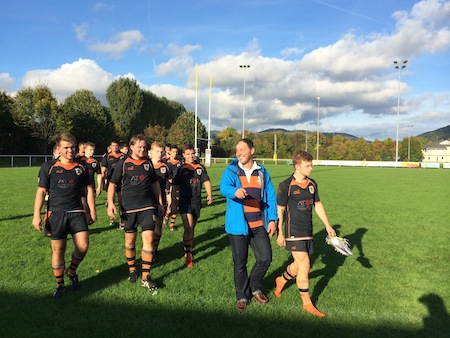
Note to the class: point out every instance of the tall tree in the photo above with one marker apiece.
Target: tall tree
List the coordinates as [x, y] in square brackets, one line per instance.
[156, 133]
[226, 140]
[125, 101]
[183, 130]
[159, 111]
[87, 119]
[36, 110]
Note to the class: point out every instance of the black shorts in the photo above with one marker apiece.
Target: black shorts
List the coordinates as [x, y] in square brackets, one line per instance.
[61, 223]
[145, 218]
[300, 245]
[191, 208]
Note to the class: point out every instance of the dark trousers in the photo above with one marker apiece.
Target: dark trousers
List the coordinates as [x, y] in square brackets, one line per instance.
[260, 243]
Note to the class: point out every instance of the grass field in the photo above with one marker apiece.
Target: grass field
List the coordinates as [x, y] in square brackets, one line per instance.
[396, 284]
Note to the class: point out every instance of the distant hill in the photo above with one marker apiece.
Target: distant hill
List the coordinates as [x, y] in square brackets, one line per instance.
[438, 134]
[274, 130]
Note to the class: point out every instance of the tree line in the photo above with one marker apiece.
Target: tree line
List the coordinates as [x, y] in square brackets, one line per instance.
[31, 120]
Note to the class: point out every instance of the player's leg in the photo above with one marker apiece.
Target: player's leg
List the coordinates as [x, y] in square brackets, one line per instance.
[189, 223]
[301, 258]
[130, 254]
[58, 264]
[157, 235]
[290, 273]
[147, 220]
[81, 243]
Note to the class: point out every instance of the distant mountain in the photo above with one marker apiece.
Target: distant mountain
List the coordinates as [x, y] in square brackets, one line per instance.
[274, 130]
[438, 134]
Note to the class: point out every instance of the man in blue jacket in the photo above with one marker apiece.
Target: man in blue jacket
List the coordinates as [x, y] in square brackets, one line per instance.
[250, 220]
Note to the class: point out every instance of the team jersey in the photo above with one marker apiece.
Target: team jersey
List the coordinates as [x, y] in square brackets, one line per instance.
[164, 173]
[136, 178]
[109, 161]
[65, 184]
[174, 166]
[190, 178]
[299, 199]
[93, 167]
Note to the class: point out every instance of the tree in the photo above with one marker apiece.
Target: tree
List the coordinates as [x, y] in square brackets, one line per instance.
[156, 133]
[12, 138]
[358, 150]
[125, 101]
[38, 112]
[226, 140]
[159, 111]
[338, 150]
[87, 119]
[183, 130]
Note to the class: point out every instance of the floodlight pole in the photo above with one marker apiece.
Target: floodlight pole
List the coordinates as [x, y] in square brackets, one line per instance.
[318, 109]
[409, 142]
[243, 108]
[398, 66]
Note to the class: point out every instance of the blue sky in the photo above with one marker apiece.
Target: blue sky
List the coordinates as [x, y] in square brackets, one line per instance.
[339, 50]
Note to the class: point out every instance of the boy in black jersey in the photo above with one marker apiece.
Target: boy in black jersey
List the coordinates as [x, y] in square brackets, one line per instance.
[296, 198]
[109, 162]
[188, 183]
[174, 164]
[164, 175]
[65, 181]
[140, 193]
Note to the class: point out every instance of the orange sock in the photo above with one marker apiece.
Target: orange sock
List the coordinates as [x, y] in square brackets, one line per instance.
[312, 309]
[147, 260]
[281, 281]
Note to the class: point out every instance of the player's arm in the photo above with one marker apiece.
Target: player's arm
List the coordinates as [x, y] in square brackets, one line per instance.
[320, 211]
[38, 203]
[90, 199]
[281, 240]
[99, 184]
[208, 188]
[157, 192]
[110, 199]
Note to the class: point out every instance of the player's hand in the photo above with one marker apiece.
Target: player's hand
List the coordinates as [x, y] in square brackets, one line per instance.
[93, 217]
[160, 210]
[209, 200]
[37, 223]
[281, 240]
[111, 210]
[272, 228]
[331, 232]
[241, 193]
[98, 191]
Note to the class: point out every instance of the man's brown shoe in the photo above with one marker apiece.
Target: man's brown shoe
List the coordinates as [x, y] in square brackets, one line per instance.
[260, 297]
[241, 305]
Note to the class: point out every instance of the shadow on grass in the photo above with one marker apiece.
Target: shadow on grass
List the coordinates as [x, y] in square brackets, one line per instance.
[17, 217]
[25, 315]
[331, 259]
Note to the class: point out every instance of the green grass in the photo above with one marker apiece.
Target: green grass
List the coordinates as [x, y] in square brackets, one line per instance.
[394, 285]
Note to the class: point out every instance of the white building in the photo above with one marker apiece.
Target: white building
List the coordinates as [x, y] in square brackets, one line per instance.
[437, 152]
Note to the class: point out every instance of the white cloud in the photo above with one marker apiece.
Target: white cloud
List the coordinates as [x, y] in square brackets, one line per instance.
[7, 83]
[81, 31]
[119, 43]
[70, 77]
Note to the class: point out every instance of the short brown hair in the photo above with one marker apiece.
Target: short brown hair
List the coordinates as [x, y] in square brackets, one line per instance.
[300, 156]
[65, 137]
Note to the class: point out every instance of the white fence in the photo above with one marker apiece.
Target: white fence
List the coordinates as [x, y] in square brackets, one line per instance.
[37, 160]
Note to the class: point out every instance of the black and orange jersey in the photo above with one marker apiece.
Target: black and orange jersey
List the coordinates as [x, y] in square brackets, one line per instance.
[109, 161]
[190, 178]
[65, 184]
[299, 199]
[164, 173]
[136, 178]
[93, 167]
[174, 166]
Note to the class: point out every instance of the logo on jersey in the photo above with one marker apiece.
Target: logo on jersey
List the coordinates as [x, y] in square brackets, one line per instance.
[62, 183]
[146, 166]
[78, 171]
[162, 170]
[311, 189]
[199, 171]
[94, 165]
